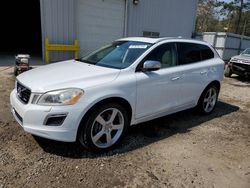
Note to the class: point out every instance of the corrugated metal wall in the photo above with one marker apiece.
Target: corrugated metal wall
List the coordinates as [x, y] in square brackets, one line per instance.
[168, 17]
[98, 22]
[226, 44]
[58, 24]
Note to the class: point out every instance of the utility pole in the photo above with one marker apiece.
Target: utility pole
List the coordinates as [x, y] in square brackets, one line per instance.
[244, 27]
[240, 14]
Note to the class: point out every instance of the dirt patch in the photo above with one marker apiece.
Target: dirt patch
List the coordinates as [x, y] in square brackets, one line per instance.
[180, 150]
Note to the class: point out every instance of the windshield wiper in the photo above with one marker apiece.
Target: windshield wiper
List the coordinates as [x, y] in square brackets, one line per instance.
[85, 61]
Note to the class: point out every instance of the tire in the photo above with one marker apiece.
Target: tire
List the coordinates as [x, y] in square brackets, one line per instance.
[104, 128]
[228, 72]
[208, 100]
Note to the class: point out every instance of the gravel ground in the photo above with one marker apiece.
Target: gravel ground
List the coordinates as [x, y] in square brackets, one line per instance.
[180, 150]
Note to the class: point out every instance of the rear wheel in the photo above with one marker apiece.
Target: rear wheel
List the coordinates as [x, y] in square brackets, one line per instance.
[104, 128]
[208, 100]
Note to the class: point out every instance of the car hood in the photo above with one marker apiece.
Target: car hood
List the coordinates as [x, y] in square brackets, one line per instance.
[66, 74]
[245, 58]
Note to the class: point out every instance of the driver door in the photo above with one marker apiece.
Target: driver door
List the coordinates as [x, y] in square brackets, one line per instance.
[158, 91]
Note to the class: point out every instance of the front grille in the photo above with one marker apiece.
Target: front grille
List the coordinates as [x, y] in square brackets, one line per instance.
[23, 93]
[241, 67]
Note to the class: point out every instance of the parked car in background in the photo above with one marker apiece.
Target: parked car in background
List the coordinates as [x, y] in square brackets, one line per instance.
[95, 98]
[239, 64]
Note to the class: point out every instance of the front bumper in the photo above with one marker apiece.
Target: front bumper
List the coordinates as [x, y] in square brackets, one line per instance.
[240, 69]
[32, 117]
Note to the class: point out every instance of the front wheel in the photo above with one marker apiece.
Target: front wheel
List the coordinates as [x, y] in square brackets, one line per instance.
[104, 128]
[208, 100]
[16, 71]
[228, 72]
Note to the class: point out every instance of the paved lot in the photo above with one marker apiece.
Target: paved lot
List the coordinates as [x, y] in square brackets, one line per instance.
[180, 150]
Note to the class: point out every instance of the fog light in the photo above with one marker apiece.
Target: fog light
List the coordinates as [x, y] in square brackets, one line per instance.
[55, 119]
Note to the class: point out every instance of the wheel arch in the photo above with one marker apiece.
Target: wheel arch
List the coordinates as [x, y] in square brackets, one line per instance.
[216, 83]
[118, 100]
[199, 105]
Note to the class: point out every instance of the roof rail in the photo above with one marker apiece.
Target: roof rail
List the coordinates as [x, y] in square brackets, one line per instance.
[165, 38]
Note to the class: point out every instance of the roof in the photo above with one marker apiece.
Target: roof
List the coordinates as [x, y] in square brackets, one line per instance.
[156, 40]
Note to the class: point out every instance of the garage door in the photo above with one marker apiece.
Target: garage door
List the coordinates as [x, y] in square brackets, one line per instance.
[99, 22]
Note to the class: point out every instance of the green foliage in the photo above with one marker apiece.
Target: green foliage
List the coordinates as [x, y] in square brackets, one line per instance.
[218, 16]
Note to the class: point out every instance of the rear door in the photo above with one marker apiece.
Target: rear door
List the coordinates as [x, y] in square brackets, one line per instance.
[195, 61]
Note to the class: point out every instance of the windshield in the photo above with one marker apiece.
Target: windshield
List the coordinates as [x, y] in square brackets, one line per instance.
[246, 52]
[120, 54]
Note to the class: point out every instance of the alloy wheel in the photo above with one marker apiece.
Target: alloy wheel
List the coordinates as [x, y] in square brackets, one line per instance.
[107, 128]
[210, 100]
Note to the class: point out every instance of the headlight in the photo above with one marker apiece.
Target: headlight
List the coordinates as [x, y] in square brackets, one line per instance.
[61, 97]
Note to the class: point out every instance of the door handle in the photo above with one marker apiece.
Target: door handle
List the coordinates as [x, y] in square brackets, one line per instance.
[175, 78]
[203, 72]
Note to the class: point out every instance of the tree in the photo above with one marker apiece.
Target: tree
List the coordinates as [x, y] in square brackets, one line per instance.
[218, 15]
[205, 16]
[234, 8]
[240, 14]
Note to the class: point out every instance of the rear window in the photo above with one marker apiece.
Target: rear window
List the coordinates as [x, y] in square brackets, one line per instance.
[206, 52]
[191, 53]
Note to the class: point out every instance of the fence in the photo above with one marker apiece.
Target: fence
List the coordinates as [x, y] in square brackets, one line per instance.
[226, 44]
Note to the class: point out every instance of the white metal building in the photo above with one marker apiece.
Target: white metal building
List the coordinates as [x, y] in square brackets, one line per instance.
[92, 22]
[96, 22]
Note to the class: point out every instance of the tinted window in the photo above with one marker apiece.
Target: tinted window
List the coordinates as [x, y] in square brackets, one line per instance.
[191, 53]
[165, 53]
[206, 52]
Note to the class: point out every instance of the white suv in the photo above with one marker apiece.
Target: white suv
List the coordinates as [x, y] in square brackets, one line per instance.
[95, 98]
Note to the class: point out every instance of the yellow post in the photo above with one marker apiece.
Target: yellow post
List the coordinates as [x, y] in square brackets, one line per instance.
[46, 50]
[60, 47]
[76, 51]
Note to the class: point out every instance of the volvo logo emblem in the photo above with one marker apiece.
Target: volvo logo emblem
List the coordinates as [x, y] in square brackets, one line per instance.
[20, 90]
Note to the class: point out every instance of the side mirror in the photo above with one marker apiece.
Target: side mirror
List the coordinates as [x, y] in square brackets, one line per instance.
[151, 65]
